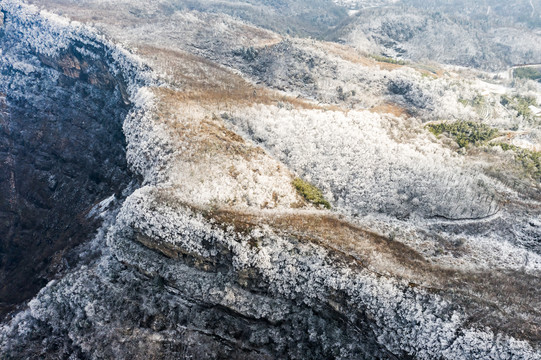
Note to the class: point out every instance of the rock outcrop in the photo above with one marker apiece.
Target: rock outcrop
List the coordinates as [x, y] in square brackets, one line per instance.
[62, 151]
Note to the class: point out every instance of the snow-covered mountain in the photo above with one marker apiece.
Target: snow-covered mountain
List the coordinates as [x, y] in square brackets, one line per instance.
[208, 180]
[490, 35]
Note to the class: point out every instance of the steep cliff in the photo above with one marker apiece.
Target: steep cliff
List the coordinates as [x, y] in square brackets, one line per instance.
[62, 150]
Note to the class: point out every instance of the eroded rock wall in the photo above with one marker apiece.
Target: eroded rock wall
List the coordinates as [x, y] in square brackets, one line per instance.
[62, 151]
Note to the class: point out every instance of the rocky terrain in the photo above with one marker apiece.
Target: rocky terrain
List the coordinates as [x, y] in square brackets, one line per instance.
[62, 152]
[206, 180]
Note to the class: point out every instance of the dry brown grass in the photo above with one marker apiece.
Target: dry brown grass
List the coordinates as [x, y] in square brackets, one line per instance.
[264, 37]
[204, 83]
[507, 301]
[390, 108]
[351, 55]
[347, 53]
[388, 66]
[205, 135]
[353, 242]
[193, 118]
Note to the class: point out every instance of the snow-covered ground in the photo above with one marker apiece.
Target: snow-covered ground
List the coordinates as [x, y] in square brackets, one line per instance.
[416, 248]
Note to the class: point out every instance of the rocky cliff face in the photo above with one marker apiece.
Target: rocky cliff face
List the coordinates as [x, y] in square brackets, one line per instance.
[214, 253]
[62, 151]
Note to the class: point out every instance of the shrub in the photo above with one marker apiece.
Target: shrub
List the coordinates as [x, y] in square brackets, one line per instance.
[519, 103]
[388, 60]
[247, 53]
[310, 192]
[463, 102]
[522, 105]
[529, 160]
[465, 132]
[528, 73]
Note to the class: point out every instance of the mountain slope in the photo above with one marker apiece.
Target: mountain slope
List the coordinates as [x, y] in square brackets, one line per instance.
[430, 250]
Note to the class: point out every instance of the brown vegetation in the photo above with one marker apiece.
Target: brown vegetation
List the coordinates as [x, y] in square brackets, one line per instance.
[347, 53]
[507, 301]
[390, 108]
[203, 82]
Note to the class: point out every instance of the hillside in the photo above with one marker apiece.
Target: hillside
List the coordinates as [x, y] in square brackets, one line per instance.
[490, 35]
[267, 180]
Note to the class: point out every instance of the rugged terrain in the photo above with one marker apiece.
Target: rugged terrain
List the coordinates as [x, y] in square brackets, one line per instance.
[62, 152]
[492, 34]
[200, 182]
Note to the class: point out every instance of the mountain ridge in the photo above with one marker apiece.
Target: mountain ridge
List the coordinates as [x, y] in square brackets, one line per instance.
[216, 255]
